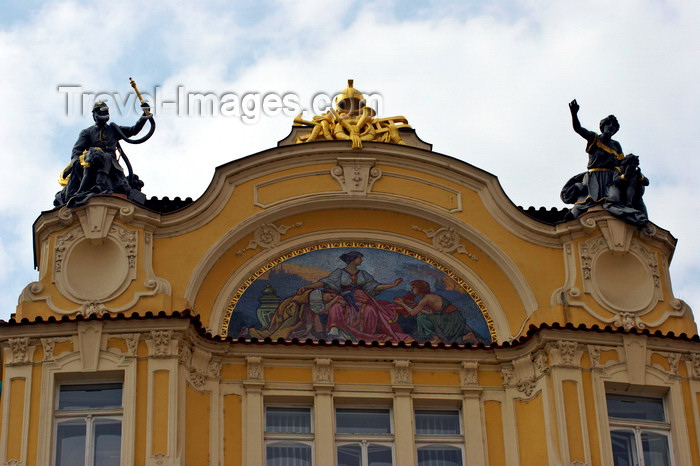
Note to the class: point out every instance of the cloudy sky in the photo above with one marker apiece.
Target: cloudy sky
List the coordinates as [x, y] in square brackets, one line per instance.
[486, 82]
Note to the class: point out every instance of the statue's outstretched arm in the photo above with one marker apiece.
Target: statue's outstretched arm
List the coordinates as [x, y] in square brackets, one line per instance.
[583, 132]
[130, 131]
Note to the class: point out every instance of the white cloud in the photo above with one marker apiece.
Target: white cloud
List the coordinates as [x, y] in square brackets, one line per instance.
[489, 86]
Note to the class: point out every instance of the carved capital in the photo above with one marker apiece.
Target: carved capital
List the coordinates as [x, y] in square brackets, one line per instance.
[48, 345]
[254, 369]
[131, 340]
[470, 376]
[184, 354]
[594, 353]
[508, 374]
[161, 346]
[214, 369]
[566, 353]
[673, 361]
[322, 371]
[132, 343]
[18, 353]
[541, 361]
[694, 359]
[402, 374]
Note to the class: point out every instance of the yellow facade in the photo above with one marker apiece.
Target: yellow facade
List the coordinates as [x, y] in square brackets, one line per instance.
[578, 313]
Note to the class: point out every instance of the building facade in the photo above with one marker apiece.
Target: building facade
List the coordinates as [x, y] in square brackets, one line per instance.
[349, 297]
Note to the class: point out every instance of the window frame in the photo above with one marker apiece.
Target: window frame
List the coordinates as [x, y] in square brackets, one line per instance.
[69, 367]
[302, 438]
[447, 440]
[87, 415]
[639, 426]
[364, 440]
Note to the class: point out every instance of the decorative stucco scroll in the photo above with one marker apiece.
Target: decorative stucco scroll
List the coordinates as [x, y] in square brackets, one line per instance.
[202, 367]
[267, 236]
[523, 375]
[446, 240]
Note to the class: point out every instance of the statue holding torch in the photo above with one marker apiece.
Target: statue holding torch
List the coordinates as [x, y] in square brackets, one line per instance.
[94, 167]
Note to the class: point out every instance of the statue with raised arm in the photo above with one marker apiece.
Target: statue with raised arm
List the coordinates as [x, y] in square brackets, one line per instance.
[603, 183]
[94, 167]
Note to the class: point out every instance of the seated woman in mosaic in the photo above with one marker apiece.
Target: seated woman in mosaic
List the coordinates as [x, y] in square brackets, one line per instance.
[357, 315]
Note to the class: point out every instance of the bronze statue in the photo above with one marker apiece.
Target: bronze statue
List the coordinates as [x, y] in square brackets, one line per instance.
[632, 183]
[605, 183]
[94, 167]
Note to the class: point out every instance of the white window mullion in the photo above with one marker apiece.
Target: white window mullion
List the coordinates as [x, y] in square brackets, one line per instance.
[89, 440]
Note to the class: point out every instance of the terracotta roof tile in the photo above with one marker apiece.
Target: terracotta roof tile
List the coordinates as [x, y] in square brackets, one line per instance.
[202, 331]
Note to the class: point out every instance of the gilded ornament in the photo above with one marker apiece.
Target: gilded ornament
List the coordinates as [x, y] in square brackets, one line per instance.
[351, 119]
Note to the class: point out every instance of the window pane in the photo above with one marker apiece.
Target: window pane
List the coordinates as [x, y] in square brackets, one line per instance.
[439, 455]
[288, 454]
[350, 455]
[362, 421]
[70, 443]
[437, 422]
[655, 448]
[379, 455]
[291, 420]
[630, 407]
[623, 448]
[108, 442]
[104, 395]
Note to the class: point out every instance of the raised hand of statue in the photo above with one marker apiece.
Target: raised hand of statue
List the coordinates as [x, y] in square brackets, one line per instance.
[146, 110]
[573, 106]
